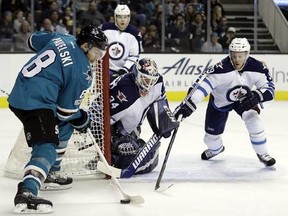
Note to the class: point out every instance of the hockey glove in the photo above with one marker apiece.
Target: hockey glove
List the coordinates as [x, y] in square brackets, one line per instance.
[251, 99]
[186, 108]
[82, 123]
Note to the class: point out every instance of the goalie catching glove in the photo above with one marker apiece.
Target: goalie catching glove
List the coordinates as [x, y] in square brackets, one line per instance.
[251, 99]
[186, 108]
[82, 123]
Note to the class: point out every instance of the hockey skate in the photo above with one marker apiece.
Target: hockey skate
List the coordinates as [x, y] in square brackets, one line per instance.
[56, 181]
[27, 203]
[208, 154]
[266, 159]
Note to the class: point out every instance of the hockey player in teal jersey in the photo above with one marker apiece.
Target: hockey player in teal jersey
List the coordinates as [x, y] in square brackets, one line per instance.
[46, 99]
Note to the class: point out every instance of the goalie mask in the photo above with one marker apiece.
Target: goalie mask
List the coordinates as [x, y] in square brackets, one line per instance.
[146, 75]
[239, 50]
[122, 16]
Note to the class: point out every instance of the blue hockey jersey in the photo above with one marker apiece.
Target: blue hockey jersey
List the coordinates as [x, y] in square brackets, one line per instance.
[127, 105]
[55, 78]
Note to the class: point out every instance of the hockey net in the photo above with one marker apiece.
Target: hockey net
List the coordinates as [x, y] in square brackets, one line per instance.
[80, 158]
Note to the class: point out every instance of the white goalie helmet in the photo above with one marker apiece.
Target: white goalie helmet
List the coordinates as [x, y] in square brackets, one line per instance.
[146, 74]
[122, 16]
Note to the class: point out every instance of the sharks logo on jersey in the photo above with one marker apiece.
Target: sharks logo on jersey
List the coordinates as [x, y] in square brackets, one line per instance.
[116, 50]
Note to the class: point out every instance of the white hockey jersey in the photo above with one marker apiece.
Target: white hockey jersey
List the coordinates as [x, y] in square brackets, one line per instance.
[124, 46]
[227, 85]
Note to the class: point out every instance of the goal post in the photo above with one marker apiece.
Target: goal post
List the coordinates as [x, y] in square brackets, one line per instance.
[81, 157]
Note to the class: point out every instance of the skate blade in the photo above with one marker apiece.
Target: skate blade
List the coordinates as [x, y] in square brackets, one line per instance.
[41, 209]
[54, 187]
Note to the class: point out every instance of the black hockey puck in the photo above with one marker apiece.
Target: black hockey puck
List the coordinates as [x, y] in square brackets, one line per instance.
[125, 201]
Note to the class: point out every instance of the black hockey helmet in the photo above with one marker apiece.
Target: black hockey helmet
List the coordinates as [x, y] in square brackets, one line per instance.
[94, 36]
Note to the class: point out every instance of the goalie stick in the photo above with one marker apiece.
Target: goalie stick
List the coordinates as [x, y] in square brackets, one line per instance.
[127, 198]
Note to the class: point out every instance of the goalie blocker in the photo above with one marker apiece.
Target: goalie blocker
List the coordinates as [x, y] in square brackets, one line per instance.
[133, 155]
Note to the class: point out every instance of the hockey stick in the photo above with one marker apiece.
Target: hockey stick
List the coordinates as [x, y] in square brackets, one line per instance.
[195, 85]
[135, 163]
[3, 91]
[127, 198]
[166, 159]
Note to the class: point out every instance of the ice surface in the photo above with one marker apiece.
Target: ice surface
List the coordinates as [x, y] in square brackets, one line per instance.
[234, 183]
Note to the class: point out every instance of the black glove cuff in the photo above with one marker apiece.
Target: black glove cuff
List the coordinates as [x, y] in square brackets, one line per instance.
[190, 104]
[259, 94]
[80, 122]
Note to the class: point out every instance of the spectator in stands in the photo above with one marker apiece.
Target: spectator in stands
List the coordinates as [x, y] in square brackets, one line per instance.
[180, 35]
[198, 7]
[219, 4]
[47, 25]
[13, 5]
[91, 16]
[199, 27]
[222, 27]
[51, 5]
[29, 19]
[106, 7]
[216, 17]
[172, 19]
[20, 39]
[67, 19]
[227, 38]
[151, 40]
[57, 23]
[157, 21]
[6, 26]
[18, 18]
[212, 46]
[189, 13]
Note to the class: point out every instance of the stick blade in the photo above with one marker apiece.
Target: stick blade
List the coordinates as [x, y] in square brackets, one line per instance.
[102, 168]
[162, 188]
[137, 199]
[156, 187]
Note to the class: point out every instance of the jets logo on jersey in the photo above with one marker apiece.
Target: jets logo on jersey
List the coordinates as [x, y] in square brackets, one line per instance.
[237, 92]
[116, 50]
[121, 97]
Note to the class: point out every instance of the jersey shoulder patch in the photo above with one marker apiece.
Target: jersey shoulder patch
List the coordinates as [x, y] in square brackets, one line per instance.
[255, 65]
[223, 66]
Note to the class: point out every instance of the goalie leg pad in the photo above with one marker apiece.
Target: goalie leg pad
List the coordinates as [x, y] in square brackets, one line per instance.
[40, 125]
[161, 119]
[150, 162]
